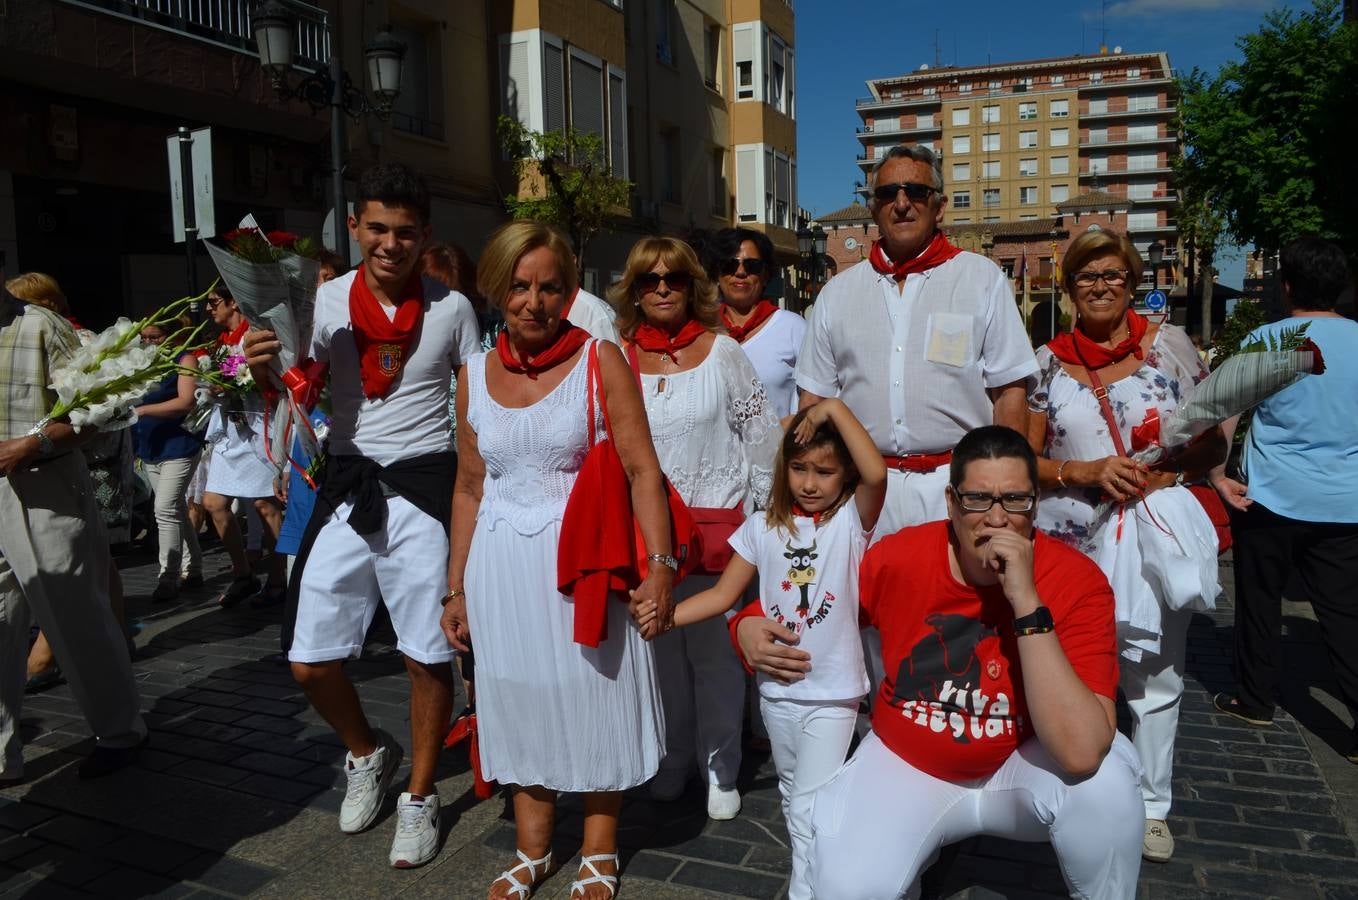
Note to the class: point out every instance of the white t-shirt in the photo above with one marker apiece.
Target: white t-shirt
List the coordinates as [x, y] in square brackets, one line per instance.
[594, 315]
[914, 366]
[773, 352]
[412, 420]
[808, 581]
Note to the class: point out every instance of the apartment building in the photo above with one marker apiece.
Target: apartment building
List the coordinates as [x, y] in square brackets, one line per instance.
[1019, 139]
[696, 99]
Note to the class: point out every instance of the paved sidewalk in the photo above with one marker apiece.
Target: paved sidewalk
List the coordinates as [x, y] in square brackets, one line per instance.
[238, 791]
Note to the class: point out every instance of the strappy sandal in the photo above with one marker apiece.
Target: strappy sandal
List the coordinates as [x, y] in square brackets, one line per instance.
[595, 876]
[518, 888]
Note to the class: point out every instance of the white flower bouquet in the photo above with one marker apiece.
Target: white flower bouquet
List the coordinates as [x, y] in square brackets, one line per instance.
[110, 373]
[273, 277]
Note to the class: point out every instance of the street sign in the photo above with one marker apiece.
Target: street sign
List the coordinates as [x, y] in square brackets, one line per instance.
[1156, 300]
[197, 183]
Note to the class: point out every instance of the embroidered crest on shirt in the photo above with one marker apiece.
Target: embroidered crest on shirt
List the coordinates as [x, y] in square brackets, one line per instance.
[389, 358]
[938, 685]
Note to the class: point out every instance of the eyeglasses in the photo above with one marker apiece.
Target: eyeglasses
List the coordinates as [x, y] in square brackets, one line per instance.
[915, 193]
[980, 501]
[753, 265]
[1111, 277]
[213, 302]
[157, 338]
[677, 281]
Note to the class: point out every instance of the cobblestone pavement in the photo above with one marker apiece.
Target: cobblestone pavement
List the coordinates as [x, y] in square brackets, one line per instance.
[238, 791]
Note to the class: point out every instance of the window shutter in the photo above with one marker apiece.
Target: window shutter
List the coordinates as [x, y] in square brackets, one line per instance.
[516, 85]
[617, 121]
[747, 193]
[554, 87]
[587, 95]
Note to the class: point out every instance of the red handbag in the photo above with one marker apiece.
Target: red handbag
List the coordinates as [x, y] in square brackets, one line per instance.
[714, 525]
[601, 549]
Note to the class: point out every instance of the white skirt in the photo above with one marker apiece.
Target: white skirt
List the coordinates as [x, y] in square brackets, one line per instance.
[240, 464]
[552, 712]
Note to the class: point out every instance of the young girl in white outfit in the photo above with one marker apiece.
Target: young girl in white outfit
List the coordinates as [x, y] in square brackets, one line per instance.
[828, 485]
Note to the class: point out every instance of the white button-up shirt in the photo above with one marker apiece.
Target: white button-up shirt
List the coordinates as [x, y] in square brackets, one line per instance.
[914, 365]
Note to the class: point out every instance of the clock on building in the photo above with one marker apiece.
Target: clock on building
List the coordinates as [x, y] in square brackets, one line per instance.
[850, 243]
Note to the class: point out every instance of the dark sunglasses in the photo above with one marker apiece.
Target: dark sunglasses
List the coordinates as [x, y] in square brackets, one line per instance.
[213, 302]
[677, 281]
[753, 266]
[915, 193]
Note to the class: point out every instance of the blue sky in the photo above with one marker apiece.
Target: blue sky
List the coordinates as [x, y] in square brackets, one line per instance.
[841, 45]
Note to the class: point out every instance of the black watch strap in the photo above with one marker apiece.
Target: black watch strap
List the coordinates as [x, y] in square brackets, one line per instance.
[1039, 621]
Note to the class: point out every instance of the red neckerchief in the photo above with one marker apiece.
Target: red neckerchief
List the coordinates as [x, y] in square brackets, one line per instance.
[653, 340]
[383, 343]
[232, 338]
[1074, 348]
[570, 304]
[569, 338]
[758, 316]
[803, 514]
[938, 252]
[74, 324]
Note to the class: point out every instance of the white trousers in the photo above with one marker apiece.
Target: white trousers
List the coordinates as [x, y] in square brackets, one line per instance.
[54, 566]
[702, 690]
[179, 552]
[404, 565]
[810, 741]
[1153, 687]
[880, 822]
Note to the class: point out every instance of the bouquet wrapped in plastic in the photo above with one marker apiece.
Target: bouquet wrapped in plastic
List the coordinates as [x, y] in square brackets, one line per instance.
[273, 279]
[114, 369]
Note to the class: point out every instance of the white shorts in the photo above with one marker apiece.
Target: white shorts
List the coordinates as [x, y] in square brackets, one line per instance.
[404, 564]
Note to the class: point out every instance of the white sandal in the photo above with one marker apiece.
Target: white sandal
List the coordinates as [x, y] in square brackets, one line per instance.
[596, 877]
[518, 888]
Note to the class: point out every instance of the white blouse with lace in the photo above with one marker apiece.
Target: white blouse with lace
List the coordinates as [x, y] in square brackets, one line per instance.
[714, 429]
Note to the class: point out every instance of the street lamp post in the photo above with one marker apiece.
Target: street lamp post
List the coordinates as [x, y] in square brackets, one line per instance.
[811, 244]
[1155, 253]
[274, 25]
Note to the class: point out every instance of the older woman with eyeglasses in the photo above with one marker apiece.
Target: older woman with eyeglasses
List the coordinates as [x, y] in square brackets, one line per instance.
[741, 261]
[716, 434]
[1114, 372]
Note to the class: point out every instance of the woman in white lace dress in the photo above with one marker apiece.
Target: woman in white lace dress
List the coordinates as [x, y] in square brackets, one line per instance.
[1117, 511]
[716, 434]
[554, 715]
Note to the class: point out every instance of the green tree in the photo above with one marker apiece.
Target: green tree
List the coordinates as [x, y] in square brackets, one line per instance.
[1270, 138]
[564, 179]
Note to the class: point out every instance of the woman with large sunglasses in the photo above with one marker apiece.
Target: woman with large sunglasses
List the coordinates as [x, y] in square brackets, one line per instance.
[1115, 364]
[741, 261]
[716, 435]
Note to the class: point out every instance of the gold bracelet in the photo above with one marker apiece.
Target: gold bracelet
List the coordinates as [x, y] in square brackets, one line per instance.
[1059, 480]
[453, 595]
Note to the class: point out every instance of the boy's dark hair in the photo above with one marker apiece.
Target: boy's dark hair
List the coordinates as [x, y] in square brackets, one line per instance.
[991, 442]
[393, 184]
[1316, 270]
[725, 244]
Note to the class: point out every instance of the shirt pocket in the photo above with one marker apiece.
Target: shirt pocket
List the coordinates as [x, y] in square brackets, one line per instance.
[948, 341]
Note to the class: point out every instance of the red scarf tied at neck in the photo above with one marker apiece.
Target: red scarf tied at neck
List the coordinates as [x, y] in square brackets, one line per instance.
[383, 344]
[569, 338]
[234, 336]
[1074, 348]
[938, 252]
[655, 340]
[758, 316]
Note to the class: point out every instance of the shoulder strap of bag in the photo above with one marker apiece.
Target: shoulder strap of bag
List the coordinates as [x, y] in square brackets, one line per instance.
[1101, 394]
[596, 390]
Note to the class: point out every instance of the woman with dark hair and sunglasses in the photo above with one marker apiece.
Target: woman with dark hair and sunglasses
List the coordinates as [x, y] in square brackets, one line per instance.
[716, 435]
[1116, 365]
[741, 261]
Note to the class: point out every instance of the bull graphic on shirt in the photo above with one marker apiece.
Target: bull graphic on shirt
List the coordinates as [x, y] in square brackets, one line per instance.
[945, 658]
[801, 573]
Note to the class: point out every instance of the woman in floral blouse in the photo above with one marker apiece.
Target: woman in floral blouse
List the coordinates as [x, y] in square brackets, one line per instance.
[1114, 509]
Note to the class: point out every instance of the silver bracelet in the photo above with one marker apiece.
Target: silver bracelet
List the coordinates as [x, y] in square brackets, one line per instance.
[45, 445]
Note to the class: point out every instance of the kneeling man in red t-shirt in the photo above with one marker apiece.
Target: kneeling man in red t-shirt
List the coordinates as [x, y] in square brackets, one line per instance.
[996, 715]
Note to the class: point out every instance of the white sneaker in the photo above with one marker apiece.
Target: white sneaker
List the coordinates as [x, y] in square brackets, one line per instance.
[669, 784]
[1158, 844]
[722, 802]
[369, 778]
[417, 831]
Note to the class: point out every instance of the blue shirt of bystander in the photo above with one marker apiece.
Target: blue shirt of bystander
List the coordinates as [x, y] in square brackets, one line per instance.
[1301, 457]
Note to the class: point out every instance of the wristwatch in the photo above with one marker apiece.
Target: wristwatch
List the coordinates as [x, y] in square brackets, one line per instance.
[45, 445]
[1039, 621]
[665, 560]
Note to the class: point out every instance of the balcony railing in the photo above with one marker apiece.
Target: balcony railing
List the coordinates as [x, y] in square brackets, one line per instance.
[867, 133]
[222, 23]
[1095, 140]
[904, 100]
[1128, 113]
[1113, 84]
[1125, 170]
